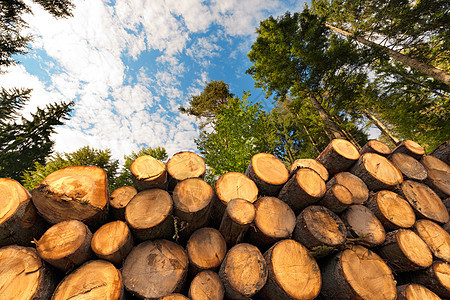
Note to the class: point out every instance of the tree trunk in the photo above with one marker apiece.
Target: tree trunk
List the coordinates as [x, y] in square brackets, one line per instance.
[155, 269]
[374, 146]
[431, 71]
[410, 167]
[183, 165]
[435, 278]
[206, 249]
[113, 241]
[308, 134]
[437, 239]
[338, 156]
[243, 259]
[328, 121]
[149, 173]
[292, 273]
[383, 128]
[268, 172]
[410, 148]
[309, 163]
[413, 291]
[357, 273]
[66, 245]
[206, 285]
[119, 200]
[236, 220]
[97, 279]
[357, 187]
[405, 251]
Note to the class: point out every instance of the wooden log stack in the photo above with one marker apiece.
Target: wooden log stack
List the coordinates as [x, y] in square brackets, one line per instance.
[368, 224]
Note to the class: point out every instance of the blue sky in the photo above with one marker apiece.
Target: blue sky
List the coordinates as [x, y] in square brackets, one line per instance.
[129, 65]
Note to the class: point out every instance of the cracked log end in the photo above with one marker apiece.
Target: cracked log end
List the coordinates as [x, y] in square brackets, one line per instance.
[148, 173]
[206, 285]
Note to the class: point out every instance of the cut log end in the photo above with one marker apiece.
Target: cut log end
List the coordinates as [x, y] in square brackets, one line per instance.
[410, 167]
[119, 199]
[338, 156]
[268, 172]
[311, 164]
[410, 148]
[206, 286]
[234, 185]
[415, 292]
[437, 239]
[374, 146]
[186, 164]
[148, 173]
[356, 186]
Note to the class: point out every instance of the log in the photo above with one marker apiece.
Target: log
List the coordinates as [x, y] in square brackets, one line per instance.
[155, 269]
[292, 273]
[148, 173]
[446, 227]
[119, 199]
[206, 249]
[435, 278]
[357, 273]
[149, 215]
[174, 296]
[413, 291]
[363, 226]
[268, 172]
[66, 245]
[424, 201]
[338, 156]
[437, 239]
[230, 186]
[73, 193]
[274, 221]
[337, 198]
[306, 187]
[192, 200]
[318, 227]
[438, 175]
[19, 220]
[357, 187]
[96, 279]
[23, 275]
[442, 152]
[374, 146]
[243, 272]
[410, 148]
[405, 251]
[410, 167]
[184, 165]
[392, 210]
[377, 172]
[236, 220]
[311, 164]
[113, 242]
[206, 286]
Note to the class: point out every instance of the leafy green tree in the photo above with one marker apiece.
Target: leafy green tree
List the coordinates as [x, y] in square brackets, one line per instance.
[85, 156]
[24, 142]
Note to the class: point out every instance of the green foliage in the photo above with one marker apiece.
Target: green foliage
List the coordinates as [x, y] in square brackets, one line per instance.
[239, 130]
[85, 156]
[26, 141]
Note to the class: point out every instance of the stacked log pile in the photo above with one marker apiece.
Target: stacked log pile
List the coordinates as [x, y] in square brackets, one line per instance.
[372, 224]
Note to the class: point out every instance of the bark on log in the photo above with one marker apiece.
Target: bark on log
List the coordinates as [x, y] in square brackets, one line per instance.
[393, 211]
[236, 220]
[309, 163]
[437, 239]
[148, 173]
[413, 291]
[66, 245]
[410, 148]
[149, 215]
[73, 193]
[424, 201]
[268, 172]
[306, 187]
[206, 286]
[174, 296]
[338, 156]
[206, 249]
[405, 251]
[19, 220]
[192, 199]
[337, 198]
[438, 175]
[184, 165]
[119, 199]
[23, 275]
[354, 184]
[436, 278]
[97, 279]
[230, 186]
[318, 227]
[446, 226]
[113, 241]
[243, 272]
[442, 152]
[292, 273]
[410, 167]
[374, 146]
[357, 273]
[363, 226]
[155, 269]
[274, 221]
[377, 172]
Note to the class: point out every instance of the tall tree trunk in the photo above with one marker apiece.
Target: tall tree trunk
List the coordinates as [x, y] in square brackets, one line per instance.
[431, 71]
[329, 123]
[308, 134]
[382, 127]
[348, 134]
